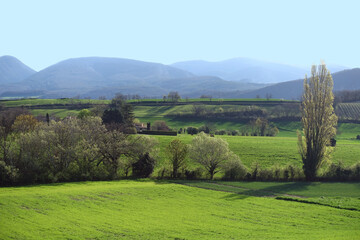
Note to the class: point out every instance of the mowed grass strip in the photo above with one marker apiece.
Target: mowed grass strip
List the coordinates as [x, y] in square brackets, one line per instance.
[161, 210]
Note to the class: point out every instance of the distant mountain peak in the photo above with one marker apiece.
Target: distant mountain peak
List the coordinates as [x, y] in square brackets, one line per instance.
[12, 70]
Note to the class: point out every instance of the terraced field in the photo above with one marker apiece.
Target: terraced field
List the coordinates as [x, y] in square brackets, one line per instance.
[348, 110]
[164, 210]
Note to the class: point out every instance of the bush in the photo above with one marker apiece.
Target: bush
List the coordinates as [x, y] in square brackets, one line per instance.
[234, 169]
[192, 130]
[276, 173]
[220, 132]
[160, 126]
[358, 137]
[143, 167]
[196, 173]
[338, 172]
[204, 129]
[235, 133]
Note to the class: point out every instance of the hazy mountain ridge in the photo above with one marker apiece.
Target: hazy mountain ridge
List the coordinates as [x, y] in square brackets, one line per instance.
[343, 80]
[12, 70]
[247, 70]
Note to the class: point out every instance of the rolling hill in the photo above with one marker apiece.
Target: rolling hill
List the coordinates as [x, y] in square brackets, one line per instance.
[343, 80]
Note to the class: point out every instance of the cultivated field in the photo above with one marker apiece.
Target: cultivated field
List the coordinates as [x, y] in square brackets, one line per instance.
[164, 210]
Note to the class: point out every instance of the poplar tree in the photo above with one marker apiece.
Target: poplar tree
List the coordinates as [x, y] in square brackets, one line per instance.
[318, 120]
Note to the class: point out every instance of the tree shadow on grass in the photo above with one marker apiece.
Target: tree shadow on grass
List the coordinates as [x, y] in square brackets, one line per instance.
[283, 189]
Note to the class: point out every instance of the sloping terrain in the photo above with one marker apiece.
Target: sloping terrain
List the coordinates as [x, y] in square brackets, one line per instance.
[163, 210]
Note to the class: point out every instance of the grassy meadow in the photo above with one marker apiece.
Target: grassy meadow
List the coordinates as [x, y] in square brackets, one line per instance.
[270, 151]
[164, 210]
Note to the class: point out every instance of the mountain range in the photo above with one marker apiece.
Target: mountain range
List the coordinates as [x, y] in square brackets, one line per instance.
[248, 70]
[98, 76]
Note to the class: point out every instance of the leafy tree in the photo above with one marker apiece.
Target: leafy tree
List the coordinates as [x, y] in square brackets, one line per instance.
[7, 119]
[210, 152]
[24, 123]
[318, 119]
[112, 116]
[144, 166]
[119, 115]
[112, 145]
[177, 152]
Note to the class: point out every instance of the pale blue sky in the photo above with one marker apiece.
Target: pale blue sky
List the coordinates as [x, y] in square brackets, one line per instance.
[41, 33]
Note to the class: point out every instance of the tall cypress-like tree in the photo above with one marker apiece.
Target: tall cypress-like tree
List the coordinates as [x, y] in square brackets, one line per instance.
[318, 119]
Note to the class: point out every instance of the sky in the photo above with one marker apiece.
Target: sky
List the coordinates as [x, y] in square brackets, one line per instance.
[301, 33]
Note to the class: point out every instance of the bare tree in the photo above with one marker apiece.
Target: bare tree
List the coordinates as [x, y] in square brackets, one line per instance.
[318, 119]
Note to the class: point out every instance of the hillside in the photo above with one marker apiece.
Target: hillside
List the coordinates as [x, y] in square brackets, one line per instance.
[144, 209]
[13, 70]
[344, 80]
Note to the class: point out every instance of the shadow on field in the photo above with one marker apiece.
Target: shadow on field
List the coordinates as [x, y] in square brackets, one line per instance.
[271, 191]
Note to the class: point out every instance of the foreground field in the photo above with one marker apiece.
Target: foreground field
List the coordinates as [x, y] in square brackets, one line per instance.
[161, 210]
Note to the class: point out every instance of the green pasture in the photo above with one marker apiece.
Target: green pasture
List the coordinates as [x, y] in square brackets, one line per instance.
[164, 210]
[270, 151]
[38, 102]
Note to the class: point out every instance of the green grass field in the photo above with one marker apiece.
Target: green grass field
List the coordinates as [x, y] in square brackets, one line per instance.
[270, 151]
[164, 210]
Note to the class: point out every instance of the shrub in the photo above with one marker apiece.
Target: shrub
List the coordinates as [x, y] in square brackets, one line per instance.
[180, 131]
[234, 169]
[220, 132]
[338, 172]
[358, 137]
[160, 126]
